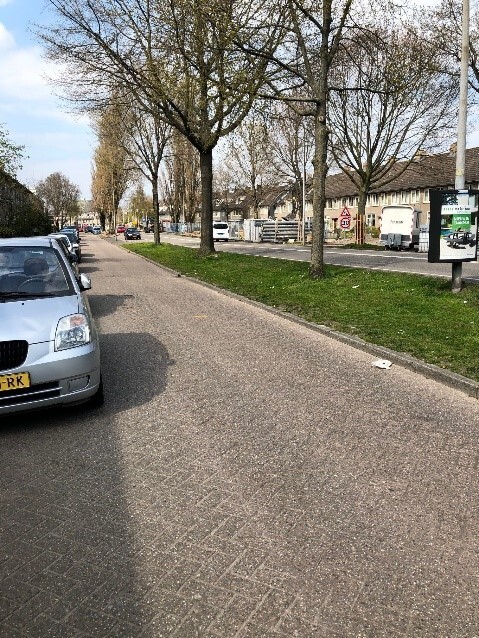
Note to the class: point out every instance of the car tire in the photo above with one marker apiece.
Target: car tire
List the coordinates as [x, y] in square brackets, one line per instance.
[97, 400]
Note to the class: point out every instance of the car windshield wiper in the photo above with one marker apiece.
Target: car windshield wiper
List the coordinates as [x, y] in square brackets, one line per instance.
[23, 295]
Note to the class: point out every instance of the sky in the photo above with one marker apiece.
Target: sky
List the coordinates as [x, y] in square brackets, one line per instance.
[54, 140]
[31, 113]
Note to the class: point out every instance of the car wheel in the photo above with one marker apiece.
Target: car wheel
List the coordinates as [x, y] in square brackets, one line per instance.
[97, 400]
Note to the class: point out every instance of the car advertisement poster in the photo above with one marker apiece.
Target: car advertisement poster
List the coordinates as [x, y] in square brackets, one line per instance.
[453, 226]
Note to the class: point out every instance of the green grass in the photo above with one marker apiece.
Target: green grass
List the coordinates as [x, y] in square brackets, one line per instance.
[407, 313]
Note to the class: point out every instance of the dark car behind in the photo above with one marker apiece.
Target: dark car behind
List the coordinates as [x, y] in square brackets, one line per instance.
[132, 233]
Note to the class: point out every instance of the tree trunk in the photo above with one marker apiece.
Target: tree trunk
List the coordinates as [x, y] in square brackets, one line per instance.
[316, 268]
[361, 217]
[156, 209]
[206, 165]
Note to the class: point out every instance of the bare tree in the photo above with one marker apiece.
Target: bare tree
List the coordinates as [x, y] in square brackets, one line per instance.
[304, 61]
[290, 150]
[247, 156]
[441, 26]
[60, 197]
[388, 102]
[178, 56]
[146, 136]
[182, 180]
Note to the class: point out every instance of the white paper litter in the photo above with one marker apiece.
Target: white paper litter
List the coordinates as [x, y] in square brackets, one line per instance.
[382, 363]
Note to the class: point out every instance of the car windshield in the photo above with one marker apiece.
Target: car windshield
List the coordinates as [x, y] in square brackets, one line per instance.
[220, 226]
[27, 271]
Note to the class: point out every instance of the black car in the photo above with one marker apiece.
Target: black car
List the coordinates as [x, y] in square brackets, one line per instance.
[132, 233]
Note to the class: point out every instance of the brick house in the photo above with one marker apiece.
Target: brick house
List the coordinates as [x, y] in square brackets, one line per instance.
[427, 172]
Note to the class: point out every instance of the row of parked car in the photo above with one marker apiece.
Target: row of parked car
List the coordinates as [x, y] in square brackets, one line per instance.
[49, 347]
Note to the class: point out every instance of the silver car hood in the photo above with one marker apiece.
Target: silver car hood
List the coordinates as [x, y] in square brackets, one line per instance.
[37, 319]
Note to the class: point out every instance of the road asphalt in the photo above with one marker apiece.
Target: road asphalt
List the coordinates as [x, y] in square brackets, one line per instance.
[247, 477]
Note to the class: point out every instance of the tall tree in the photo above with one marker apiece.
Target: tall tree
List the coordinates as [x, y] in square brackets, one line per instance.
[179, 56]
[290, 150]
[60, 197]
[315, 33]
[146, 136]
[387, 102]
[247, 156]
[113, 167]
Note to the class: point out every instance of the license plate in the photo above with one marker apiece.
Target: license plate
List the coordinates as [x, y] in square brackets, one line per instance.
[16, 381]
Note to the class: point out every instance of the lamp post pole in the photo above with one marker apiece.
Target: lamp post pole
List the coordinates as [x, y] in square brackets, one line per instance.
[460, 182]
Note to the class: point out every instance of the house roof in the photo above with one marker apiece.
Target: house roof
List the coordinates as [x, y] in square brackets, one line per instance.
[425, 171]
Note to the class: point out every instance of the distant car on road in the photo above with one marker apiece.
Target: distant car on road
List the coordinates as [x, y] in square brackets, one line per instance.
[132, 233]
[120, 228]
[49, 349]
[96, 230]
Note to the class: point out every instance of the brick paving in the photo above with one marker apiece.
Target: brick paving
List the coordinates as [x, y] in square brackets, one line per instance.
[246, 478]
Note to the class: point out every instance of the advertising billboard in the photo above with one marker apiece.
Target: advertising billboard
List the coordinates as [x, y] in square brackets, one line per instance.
[453, 226]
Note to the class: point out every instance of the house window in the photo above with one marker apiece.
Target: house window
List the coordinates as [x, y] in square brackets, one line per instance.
[384, 199]
[404, 197]
[351, 202]
[415, 196]
[344, 202]
[371, 219]
[426, 195]
[394, 198]
[329, 203]
[374, 199]
[335, 202]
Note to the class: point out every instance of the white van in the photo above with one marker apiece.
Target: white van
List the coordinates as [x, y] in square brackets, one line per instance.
[221, 231]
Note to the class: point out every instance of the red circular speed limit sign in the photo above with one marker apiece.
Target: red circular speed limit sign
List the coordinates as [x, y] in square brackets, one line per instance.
[345, 223]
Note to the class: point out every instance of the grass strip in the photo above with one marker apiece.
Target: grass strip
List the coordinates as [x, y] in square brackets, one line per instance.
[413, 314]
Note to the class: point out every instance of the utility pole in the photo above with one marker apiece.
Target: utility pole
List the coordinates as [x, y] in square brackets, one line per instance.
[460, 182]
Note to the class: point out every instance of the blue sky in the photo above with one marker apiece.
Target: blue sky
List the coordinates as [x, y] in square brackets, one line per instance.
[54, 140]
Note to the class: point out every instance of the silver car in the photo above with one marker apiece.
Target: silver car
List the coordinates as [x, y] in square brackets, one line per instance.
[49, 350]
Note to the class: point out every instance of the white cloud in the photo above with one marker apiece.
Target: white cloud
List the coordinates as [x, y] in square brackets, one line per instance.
[7, 41]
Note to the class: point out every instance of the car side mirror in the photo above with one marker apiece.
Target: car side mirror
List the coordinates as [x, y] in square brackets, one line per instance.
[84, 281]
[73, 258]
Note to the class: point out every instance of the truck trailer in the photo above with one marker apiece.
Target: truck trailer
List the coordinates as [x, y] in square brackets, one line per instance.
[399, 227]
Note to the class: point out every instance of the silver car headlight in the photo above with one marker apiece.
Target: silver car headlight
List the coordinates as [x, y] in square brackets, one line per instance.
[72, 331]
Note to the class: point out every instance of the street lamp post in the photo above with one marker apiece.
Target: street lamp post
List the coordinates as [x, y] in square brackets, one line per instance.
[460, 181]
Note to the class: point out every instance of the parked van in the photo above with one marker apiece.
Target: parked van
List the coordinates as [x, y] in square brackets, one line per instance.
[399, 227]
[221, 230]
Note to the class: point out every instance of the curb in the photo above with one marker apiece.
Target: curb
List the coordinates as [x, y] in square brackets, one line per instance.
[429, 370]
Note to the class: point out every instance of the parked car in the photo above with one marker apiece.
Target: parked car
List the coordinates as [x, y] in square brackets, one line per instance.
[68, 248]
[72, 235]
[72, 228]
[49, 349]
[96, 230]
[120, 228]
[221, 230]
[88, 229]
[132, 233]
